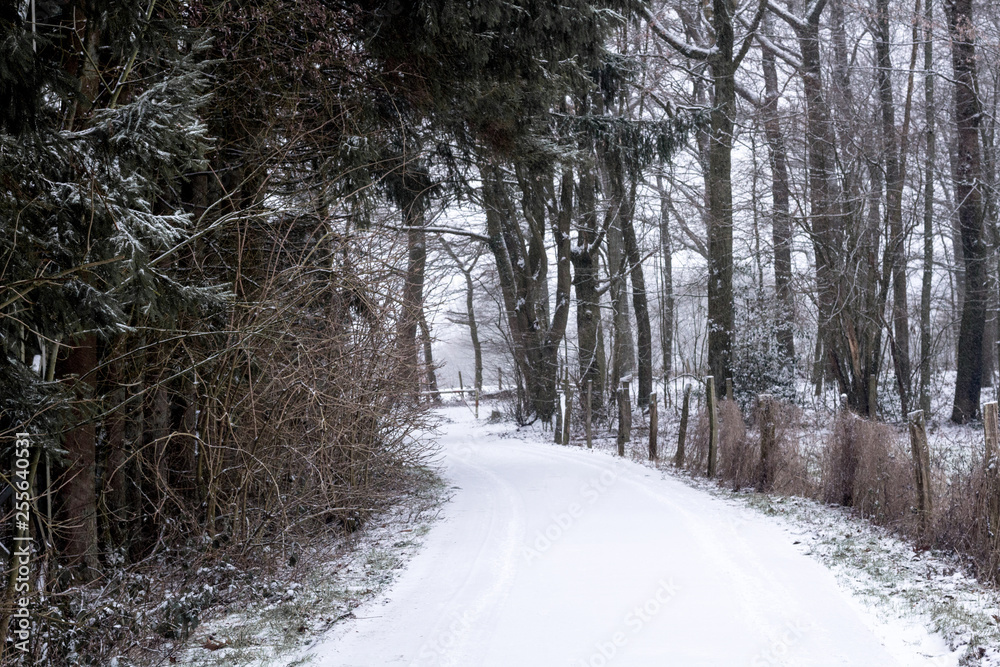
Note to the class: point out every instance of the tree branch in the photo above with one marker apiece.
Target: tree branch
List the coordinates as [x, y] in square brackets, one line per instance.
[675, 41]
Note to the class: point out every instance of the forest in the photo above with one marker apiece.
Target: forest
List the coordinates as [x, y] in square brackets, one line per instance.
[230, 231]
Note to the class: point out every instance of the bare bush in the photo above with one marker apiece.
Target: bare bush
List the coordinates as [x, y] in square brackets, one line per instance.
[738, 454]
[784, 470]
[866, 467]
[961, 519]
[863, 465]
[264, 432]
[696, 458]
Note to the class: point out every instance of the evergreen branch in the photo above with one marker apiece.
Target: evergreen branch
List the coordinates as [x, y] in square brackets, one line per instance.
[131, 62]
[43, 280]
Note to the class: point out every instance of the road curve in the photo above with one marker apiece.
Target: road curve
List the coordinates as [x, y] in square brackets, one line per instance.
[555, 556]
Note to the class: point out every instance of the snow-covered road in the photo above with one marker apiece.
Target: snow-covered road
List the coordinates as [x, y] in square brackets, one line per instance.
[555, 556]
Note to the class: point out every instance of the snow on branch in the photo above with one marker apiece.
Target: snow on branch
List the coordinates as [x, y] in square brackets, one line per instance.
[814, 9]
[676, 41]
[441, 230]
[794, 21]
[779, 51]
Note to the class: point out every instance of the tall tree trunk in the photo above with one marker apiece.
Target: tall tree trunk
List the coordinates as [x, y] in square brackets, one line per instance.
[667, 313]
[928, 267]
[900, 341]
[77, 489]
[781, 219]
[968, 174]
[586, 275]
[522, 274]
[470, 309]
[825, 221]
[990, 336]
[848, 302]
[644, 336]
[412, 306]
[623, 346]
[430, 374]
[721, 307]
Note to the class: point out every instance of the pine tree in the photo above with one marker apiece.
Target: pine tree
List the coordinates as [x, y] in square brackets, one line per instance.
[88, 162]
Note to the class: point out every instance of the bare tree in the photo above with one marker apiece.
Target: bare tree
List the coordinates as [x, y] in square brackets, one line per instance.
[969, 198]
[724, 59]
[466, 269]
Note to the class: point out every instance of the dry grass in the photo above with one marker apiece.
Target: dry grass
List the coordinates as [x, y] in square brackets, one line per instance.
[866, 467]
[740, 462]
[863, 465]
[739, 455]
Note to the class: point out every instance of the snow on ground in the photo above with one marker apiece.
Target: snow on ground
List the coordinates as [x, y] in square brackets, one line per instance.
[552, 555]
[277, 617]
[912, 599]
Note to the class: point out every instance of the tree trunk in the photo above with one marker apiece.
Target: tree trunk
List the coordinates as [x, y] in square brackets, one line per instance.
[781, 220]
[77, 489]
[826, 232]
[667, 314]
[586, 269]
[721, 315]
[990, 337]
[928, 268]
[412, 306]
[849, 302]
[967, 176]
[429, 373]
[470, 308]
[644, 336]
[623, 347]
[522, 274]
[900, 342]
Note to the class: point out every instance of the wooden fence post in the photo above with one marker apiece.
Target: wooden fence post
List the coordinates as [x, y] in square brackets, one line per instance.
[569, 412]
[922, 468]
[557, 436]
[590, 390]
[654, 426]
[679, 456]
[461, 387]
[765, 416]
[991, 467]
[990, 426]
[713, 425]
[627, 403]
[873, 397]
[499, 379]
[621, 425]
[624, 418]
[729, 389]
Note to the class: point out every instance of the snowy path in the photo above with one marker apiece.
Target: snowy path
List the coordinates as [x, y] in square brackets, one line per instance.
[551, 556]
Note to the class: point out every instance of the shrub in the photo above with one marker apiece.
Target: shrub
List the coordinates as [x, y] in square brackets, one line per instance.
[865, 467]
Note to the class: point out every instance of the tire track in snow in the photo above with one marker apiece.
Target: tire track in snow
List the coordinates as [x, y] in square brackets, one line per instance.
[471, 599]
